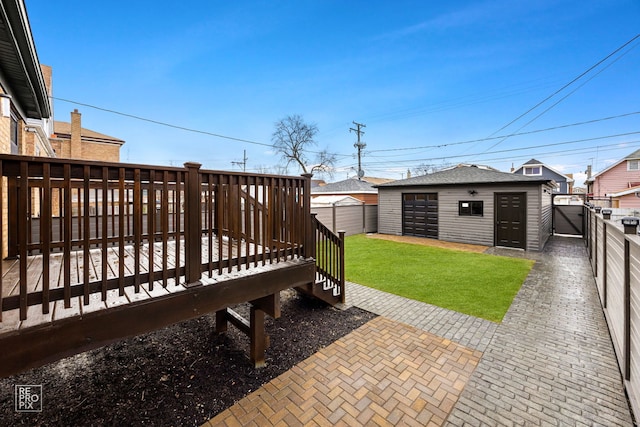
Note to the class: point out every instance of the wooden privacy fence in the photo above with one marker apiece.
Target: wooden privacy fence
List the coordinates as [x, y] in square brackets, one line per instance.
[188, 221]
[615, 261]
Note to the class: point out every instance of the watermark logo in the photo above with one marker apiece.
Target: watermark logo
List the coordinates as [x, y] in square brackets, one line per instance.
[28, 398]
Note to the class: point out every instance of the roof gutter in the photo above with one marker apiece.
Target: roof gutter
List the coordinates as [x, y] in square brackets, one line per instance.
[14, 14]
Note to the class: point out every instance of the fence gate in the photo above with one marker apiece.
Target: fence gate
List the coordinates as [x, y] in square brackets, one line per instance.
[568, 218]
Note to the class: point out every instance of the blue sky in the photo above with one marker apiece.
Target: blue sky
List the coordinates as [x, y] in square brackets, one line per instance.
[424, 77]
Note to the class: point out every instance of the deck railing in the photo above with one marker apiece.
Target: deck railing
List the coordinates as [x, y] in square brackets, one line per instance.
[329, 257]
[149, 224]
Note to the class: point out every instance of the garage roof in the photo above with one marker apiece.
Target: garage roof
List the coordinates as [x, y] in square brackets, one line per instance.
[465, 175]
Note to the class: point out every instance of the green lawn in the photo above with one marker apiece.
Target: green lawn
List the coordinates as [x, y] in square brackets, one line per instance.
[476, 284]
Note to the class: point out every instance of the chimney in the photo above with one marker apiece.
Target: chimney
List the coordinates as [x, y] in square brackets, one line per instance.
[588, 171]
[76, 137]
[512, 168]
[408, 174]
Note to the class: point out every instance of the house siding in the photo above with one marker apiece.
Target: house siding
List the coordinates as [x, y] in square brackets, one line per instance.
[551, 175]
[617, 179]
[350, 219]
[469, 229]
[546, 216]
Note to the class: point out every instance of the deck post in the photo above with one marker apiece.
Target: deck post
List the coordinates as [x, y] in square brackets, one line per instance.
[221, 321]
[257, 337]
[309, 239]
[193, 226]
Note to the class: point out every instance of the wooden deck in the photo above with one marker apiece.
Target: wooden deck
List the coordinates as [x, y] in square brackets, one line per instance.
[103, 251]
[156, 304]
[57, 311]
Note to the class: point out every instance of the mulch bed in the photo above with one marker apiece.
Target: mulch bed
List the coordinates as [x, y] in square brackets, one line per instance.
[182, 375]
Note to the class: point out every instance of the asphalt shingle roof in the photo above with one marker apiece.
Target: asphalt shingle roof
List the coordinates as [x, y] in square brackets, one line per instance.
[465, 175]
[351, 185]
[63, 129]
[633, 156]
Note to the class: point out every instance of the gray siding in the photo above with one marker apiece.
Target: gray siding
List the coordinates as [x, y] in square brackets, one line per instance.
[325, 216]
[390, 211]
[370, 218]
[468, 229]
[351, 219]
[546, 218]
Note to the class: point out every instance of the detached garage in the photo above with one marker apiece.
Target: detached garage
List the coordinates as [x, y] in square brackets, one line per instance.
[469, 204]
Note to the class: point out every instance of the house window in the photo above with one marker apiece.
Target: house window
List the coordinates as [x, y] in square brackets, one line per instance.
[470, 208]
[532, 170]
[633, 165]
[14, 135]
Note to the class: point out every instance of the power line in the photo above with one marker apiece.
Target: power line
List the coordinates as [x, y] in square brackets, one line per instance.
[559, 153]
[503, 136]
[568, 84]
[511, 149]
[566, 96]
[157, 122]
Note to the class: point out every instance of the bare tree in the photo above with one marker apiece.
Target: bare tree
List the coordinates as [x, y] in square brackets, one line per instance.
[293, 138]
[427, 168]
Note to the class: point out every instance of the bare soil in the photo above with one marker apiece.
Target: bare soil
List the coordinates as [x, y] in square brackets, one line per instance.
[182, 375]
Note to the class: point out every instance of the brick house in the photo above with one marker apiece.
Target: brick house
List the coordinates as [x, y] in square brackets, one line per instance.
[617, 186]
[71, 140]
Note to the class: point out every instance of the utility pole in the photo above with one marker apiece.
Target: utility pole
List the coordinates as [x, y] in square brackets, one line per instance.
[243, 162]
[359, 145]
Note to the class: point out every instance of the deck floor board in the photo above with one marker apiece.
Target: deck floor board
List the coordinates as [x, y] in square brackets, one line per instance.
[57, 311]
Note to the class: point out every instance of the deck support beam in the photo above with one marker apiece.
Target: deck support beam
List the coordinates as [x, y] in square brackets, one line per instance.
[254, 327]
[36, 346]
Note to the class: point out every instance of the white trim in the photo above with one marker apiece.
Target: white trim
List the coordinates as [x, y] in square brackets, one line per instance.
[545, 166]
[525, 167]
[625, 192]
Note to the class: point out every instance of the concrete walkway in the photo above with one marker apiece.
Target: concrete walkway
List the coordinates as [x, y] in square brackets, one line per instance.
[550, 362]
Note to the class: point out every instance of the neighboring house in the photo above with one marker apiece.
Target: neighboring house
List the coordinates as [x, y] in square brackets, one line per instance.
[564, 183]
[618, 186]
[360, 189]
[469, 204]
[71, 140]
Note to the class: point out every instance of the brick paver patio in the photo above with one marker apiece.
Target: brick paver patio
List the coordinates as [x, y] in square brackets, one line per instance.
[384, 373]
[550, 362]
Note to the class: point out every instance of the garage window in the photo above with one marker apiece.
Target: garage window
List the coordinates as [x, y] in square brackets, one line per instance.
[470, 208]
